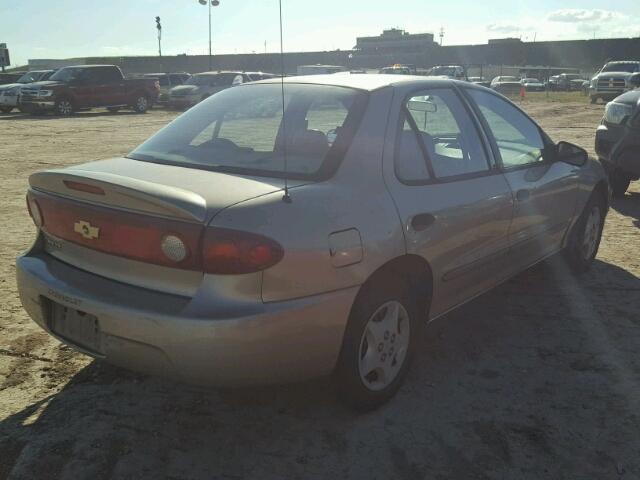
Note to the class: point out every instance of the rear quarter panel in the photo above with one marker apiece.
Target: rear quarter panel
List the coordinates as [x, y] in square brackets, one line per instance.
[355, 198]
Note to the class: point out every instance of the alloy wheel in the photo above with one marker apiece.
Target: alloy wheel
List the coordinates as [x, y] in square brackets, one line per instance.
[384, 346]
[65, 107]
[591, 232]
[142, 104]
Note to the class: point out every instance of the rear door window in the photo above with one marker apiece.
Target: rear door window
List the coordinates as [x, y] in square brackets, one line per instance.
[447, 132]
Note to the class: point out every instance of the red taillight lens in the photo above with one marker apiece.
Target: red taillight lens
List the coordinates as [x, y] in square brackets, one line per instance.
[34, 211]
[228, 252]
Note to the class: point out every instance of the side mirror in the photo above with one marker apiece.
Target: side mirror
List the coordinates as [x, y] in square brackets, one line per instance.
[571, 154]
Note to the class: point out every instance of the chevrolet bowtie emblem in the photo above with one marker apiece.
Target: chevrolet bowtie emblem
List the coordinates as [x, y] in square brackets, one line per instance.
[86, 230]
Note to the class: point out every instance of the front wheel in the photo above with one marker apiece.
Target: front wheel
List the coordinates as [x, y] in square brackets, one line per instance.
[379, 341]
[587, 232]
[141, 104]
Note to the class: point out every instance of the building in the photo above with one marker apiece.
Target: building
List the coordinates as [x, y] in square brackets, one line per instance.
[395, 40]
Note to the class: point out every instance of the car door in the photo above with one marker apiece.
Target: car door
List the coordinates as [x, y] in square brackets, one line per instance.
[454, 205]
[111, 86]
[545, 191]
[83, 89]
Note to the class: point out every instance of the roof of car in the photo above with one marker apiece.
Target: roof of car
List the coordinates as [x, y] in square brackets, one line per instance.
[369, 82]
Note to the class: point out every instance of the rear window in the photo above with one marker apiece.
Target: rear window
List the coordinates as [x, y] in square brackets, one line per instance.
[242, 130]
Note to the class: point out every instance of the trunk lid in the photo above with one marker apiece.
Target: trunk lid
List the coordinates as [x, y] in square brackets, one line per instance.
[121, 195]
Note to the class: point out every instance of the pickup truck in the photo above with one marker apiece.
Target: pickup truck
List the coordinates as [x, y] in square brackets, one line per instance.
[88, 86]
[613, 80]
[618, 139]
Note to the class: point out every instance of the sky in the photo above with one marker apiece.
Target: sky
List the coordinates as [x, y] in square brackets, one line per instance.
[81, 28]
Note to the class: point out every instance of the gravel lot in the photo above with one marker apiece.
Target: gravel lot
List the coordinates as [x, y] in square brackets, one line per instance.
[537, 379]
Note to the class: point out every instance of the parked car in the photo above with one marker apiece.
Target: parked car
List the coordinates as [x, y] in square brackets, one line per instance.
[255, 76]
[190, 257]
[395, 70]
[506, 85]
[202, 85]
[89, 86]
[532, 85]
[613, 80]
[552, 83]
[454, 72]
[319, 69]
[10, 93]
[569, 82]
[480, 81]
[167, 81]
[618, 140]
[6, 77]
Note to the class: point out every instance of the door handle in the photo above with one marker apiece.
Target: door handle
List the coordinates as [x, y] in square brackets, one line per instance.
[523, 194]
[421, 221]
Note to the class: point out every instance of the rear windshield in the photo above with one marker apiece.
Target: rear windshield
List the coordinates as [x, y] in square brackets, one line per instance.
[630, 67]
[241, 130]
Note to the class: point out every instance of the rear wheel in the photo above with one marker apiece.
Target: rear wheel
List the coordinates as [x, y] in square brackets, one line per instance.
[619, 182]
[64, 107]
[6, 109]
[141, 104]
[585, 239]
[379, 341]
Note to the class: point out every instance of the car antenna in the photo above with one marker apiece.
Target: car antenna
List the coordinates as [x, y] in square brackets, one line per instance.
[286, 198]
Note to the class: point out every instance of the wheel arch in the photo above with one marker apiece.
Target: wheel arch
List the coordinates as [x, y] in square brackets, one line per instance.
[414, 269]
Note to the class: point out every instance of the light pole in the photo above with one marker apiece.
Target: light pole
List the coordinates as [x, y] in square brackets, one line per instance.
[210, 3]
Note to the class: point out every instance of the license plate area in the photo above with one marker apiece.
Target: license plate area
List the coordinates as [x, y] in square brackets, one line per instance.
[75, 326]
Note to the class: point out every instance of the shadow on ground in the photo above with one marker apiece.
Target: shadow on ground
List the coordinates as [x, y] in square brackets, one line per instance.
[537, 379]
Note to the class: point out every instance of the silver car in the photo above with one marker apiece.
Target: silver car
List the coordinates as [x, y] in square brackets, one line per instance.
[202, 85]
[239, 245]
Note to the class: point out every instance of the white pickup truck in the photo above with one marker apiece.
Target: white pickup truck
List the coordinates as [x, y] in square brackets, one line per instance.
[613, 80]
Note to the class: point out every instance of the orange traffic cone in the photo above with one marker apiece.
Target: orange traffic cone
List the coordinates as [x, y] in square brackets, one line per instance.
[522, 92]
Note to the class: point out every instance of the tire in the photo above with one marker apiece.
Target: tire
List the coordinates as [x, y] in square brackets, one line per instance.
[585, 237]
[141, 104]
[390, 347]
[619, 182]
[6, 109]
[64, 107]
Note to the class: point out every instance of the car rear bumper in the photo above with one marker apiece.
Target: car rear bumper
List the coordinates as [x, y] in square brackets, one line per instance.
[178, 337]
[619, 146]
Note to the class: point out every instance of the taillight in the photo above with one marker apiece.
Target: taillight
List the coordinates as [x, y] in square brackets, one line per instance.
[155, 240]
[34, 211]
[228, 252]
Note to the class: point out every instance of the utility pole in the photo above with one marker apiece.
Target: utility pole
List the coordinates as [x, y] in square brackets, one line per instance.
[209, 3]
[441, 35]
[159, 27]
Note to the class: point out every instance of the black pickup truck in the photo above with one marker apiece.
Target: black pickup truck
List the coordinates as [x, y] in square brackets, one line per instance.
[88, 86]
[618, 140]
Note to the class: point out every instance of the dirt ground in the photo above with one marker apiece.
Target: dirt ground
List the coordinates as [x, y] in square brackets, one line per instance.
[537, 379]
